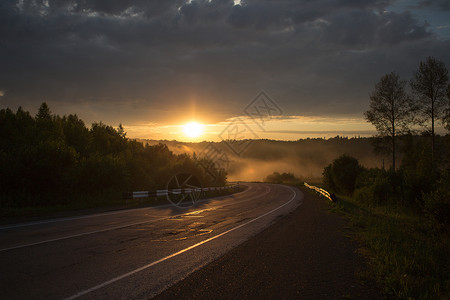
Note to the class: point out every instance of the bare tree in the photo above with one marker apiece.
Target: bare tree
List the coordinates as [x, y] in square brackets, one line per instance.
[429, 85]
[391, 110]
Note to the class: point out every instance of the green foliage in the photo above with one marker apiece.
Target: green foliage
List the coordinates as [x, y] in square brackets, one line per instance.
[341, 175]
[76, 134]
[44, 113]
[415, 185]
[328, 178]
[52, 160]
[416, 172]
[391, 210]
[283, 178]
[373, 186]
[402, 220]
[102, 172]
[437, 202]
[407, 256]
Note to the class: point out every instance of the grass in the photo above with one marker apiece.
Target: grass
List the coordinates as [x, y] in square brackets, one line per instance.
[406, 253]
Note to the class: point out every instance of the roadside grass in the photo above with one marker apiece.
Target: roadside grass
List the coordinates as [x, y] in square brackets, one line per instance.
[406, 253]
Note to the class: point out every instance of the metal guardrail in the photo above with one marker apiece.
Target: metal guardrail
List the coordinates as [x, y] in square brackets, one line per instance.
[157, 193]
[321, 191]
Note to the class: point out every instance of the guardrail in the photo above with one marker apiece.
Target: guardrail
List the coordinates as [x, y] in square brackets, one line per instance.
[323, 192]
[157, 193]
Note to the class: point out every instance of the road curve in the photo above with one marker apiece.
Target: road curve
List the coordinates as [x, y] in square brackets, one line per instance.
[132, 254]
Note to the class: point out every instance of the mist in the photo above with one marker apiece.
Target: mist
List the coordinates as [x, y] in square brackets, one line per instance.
[304, 158]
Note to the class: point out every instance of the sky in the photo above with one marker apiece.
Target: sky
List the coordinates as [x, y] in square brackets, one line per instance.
[279, 69]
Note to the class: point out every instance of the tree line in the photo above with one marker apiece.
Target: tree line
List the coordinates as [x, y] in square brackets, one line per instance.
[47, 159]
[422, 181]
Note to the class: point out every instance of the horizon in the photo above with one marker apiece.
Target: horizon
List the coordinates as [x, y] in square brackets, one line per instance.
[252, 130]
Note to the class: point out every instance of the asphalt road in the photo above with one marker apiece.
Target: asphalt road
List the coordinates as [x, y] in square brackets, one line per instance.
[306, 255]
[132, 254]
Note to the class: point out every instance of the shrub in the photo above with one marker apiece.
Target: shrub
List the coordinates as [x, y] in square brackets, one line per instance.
[341, 175]
[437, 202]
[378, 186]
[417, 174]
[377, 192]
[287, 178]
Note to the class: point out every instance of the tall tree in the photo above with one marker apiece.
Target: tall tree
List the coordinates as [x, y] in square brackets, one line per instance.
[391, 110]
[429, 85]
[446, 118]
[44, 112]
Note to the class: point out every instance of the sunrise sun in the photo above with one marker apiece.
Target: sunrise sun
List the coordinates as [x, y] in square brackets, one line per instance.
[193, 129]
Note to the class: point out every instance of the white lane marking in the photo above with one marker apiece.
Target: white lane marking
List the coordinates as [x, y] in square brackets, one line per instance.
[103, 214]
[82, 293]
[84, 233]
[13, 226]
[79, 217]
[118, 227]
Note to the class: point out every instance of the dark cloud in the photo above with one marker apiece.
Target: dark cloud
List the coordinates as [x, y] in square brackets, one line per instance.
[369, 28]
[440, 4]
[313, 56]
[205, 12]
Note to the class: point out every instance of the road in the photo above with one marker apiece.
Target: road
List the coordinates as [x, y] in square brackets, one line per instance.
[132, 254]
[306, 255]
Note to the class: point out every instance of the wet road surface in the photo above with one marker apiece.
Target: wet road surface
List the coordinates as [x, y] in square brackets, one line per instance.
[132, 254]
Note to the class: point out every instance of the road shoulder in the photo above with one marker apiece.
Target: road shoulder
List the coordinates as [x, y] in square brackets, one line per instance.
[303, 255]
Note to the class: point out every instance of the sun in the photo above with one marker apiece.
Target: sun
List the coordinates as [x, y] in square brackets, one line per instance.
[193, 129]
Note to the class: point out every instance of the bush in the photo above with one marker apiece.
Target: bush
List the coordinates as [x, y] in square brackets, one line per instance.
[378, 192]
[377, 186]
[327, 178]
[341, 175]
[286, 178]
[437, 202]
[417, 174]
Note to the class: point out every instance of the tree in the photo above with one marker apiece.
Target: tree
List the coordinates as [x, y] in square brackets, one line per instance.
[446, 117]
[391, 110]
[44, 112]
[429, 85]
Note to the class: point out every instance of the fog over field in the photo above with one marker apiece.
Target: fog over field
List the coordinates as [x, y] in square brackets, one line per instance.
[304, 158]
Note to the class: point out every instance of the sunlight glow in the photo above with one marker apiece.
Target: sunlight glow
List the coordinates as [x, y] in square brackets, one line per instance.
[193, 129]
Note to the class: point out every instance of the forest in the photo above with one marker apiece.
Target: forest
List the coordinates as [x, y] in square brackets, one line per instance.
[48, 160]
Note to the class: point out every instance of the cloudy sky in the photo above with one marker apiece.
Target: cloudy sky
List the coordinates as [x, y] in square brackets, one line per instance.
[155, 65]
